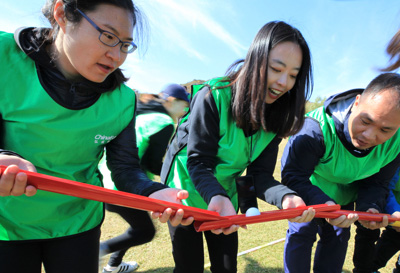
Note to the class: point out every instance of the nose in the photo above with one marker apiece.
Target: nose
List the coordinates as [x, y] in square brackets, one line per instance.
[282, 81]
[369, 134]
[114, 53]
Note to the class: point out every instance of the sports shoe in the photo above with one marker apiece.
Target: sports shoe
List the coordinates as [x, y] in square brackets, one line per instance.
[122, 268]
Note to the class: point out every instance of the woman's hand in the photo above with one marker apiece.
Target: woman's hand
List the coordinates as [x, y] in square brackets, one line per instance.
[224, 207]
[174, 196]
[13, 182]
[293, 201]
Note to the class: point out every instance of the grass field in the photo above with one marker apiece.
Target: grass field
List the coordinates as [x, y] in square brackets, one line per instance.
[156, 256]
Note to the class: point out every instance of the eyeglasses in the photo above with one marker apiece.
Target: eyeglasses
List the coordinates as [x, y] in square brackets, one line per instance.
[110, 39]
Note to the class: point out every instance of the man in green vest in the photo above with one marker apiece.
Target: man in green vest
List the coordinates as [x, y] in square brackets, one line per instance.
[346, 153]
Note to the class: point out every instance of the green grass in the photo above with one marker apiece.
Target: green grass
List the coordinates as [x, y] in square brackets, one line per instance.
[156, 256]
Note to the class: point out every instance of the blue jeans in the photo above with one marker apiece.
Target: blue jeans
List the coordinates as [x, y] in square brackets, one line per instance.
[330, 252]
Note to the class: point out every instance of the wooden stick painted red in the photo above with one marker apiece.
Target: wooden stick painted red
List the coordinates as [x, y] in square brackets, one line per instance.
[86, 191]
[263, 217]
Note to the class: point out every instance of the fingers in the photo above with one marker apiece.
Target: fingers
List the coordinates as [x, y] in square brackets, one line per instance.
[375, 225]
[12, 182]
[15, 183]
[182, 194]
[30, 190]
[177, 219]
[343, 221]
[20, 184]
[306, 216]
[174, 218]
[226, 231]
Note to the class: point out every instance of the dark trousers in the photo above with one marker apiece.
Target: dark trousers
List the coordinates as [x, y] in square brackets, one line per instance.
[386, 247]
[330, 252]
[141, 231]
[364, 245]
[188, 250]
[78, 254]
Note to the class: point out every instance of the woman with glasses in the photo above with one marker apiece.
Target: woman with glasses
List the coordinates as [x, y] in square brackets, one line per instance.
[63, 103]
[235, 124]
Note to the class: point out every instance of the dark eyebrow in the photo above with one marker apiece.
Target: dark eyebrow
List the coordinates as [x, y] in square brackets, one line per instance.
[117, 33]
[283, 64]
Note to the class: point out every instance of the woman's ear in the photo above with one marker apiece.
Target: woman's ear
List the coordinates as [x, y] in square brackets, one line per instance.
[59, 14]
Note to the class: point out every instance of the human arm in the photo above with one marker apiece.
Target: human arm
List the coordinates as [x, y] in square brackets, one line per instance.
[392, 206]
[202, 145]
[152, 158]
[300, 156]
[374, 191]
[123, 162]
[269, 189]
[202, 149]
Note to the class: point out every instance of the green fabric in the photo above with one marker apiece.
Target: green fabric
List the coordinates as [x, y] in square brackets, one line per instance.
[146, 126]
[338, 168]
[59, 142]
[235, 153]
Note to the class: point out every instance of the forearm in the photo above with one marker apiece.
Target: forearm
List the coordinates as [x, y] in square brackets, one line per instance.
[300, 156]
[374, 191]
[123, 162]
[202, 145]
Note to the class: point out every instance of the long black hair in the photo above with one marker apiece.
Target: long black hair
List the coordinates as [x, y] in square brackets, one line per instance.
[393, 49]
[73, 16]
[248, 79]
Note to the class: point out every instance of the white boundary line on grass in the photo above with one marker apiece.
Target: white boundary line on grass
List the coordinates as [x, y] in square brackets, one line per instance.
[253, 249]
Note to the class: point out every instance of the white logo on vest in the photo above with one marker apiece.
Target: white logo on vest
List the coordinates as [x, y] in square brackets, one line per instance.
[103, 139]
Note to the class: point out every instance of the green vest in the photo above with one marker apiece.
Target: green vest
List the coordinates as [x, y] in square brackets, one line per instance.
[338, 168]
[59, 142]
[235, 153]
[146, 126]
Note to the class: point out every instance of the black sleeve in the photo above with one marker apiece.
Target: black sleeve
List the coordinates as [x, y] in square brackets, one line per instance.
[202, 145]
[153, 156]
[373, 191]
[299, 158]
[7, 152]
[262, 171]
[123, 162]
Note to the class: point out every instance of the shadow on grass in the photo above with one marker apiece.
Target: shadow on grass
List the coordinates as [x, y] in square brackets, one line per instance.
[158, 270]
[252, 266]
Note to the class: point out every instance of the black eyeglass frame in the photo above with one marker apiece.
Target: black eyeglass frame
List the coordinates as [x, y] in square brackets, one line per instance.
[102, 31]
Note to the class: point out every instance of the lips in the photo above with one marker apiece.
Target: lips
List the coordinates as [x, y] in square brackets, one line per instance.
[105, 68]
[274, 93]
[361, 143]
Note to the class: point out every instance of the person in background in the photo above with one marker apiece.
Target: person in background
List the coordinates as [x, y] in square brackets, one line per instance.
[63, 102]
[388, 243]
[346, 153]
[370, 255]
[236, 123]
[155, 124]
[154, 127]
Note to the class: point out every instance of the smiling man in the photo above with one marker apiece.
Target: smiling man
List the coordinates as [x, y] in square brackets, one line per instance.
[346, 153]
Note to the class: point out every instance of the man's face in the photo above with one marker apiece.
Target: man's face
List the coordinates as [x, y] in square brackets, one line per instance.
[374, 119]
